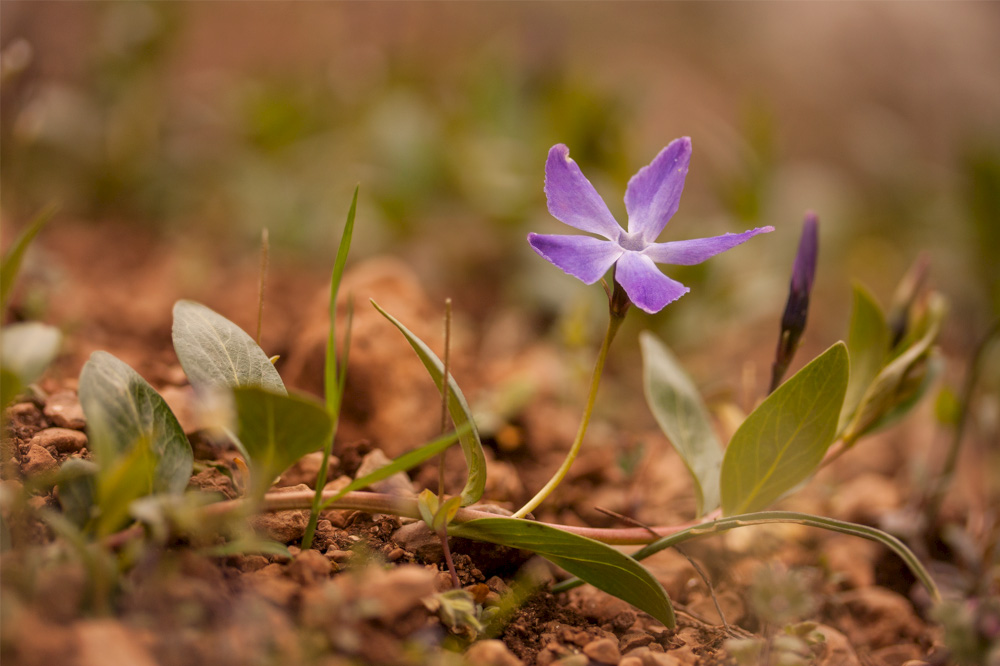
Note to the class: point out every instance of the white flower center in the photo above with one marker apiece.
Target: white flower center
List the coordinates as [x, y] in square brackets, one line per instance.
[632, 242]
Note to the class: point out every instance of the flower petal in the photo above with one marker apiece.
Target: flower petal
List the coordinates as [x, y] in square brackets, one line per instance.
[690, 252]
[572, 199]
[583, 257]
[654, 192]
[645, 285]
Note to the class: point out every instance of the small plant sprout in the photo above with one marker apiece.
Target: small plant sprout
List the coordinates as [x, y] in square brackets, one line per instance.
[651, 199]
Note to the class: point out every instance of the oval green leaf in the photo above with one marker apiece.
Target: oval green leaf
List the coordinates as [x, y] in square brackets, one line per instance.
[784, 440]
[461, 415]
[867, 347]
[678, 408]
[122, 411]
[215, 352]
[276, 429]
[592, 561]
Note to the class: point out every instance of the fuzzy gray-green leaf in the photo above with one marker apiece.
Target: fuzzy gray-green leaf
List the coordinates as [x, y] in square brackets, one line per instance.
[472, 447]
[596, 563]
[785, 438]
[122, 410]
[678, 408]
[215, 352]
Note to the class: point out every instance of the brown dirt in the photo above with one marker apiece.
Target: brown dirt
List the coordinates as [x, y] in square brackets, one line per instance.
[359, 596]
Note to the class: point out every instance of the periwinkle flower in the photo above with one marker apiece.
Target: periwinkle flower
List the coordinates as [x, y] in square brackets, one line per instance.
[651, 199]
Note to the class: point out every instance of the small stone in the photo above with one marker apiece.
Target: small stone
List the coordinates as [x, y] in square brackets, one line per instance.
[340, 556]
[395, 554]
[632, 640]
[63, 409]
[417, 538]
[251, 562]
[310, 566]
[60, 440]
[38, 461]
[26, 413]
[630, 661]
[604, 650]
[490, 653]
[306, 470]
[283, 526]
[397, 484]
[659, 659]
[398, 590]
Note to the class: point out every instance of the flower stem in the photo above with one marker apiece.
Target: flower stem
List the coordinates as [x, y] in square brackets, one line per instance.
[614, 324]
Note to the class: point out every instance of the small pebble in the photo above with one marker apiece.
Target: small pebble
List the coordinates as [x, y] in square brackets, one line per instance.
[61, 440]
[490, 653]
[310, 566]
[395, 554]
[38, 461]
[603, 650]
[63, 409]
[633, 640]
[340, 555]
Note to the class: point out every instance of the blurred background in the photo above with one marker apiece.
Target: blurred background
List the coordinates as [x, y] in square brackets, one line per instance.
[213, 120]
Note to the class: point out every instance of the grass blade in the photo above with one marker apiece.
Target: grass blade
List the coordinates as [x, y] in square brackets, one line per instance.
[403, 463]
[10, 264]
[472, 447]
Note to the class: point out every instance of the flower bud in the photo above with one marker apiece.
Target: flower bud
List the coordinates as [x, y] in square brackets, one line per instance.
[793, 321]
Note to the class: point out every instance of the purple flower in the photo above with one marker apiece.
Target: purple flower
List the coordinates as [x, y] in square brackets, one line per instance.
[651, 199]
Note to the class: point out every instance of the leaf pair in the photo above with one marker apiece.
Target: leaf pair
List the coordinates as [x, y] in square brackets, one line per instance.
[274, 429]
[887, 382]
[779, 445]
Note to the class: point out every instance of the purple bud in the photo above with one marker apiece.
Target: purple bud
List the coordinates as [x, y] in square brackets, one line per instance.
[793, 321]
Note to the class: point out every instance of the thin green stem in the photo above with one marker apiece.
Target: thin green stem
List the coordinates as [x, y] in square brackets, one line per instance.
[614, 324]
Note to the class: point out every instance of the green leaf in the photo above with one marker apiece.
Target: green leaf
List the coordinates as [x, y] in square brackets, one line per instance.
[403, 463]
[126, 479]
[276, 429]
[10, 265]
[10, 388]
[783, 441]
[901, 383]
[867, 346]
[27, 349]
[767, 517]
[215, 352]
[472, 447]
[247, 545]
[77, 483]
[122, 409]
[678, 408]
[332, 380]
[598, 564]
